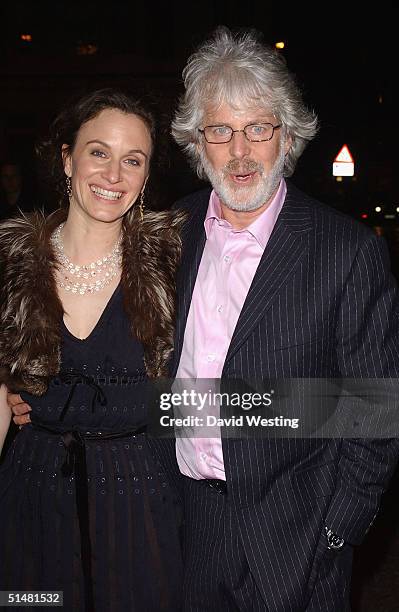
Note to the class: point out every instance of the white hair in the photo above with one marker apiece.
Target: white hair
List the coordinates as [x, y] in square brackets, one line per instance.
[243, 72]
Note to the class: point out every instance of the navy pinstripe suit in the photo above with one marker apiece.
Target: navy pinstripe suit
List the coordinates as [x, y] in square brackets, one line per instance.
[322, 304]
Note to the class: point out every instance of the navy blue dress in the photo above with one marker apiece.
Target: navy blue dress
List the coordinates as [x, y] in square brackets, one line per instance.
[84, 505]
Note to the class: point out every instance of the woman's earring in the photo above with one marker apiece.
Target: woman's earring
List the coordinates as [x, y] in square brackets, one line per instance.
[68, 186]
[141, 205]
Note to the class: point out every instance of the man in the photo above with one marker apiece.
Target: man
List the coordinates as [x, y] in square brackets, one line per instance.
[273, 285]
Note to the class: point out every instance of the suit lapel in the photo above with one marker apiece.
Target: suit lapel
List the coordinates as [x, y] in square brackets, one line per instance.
[286, 247]
[193, 246]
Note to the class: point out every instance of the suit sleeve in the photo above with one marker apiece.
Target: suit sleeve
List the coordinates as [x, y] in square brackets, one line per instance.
[367, 348]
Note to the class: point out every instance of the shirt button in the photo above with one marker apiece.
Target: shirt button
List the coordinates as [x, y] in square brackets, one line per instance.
[227, 258]
[211, 358]
[219, 308]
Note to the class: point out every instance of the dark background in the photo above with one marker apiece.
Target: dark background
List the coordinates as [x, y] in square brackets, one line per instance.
[345, 58]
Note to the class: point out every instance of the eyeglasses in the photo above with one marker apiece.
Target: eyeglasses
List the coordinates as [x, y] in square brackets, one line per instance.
[254, 132]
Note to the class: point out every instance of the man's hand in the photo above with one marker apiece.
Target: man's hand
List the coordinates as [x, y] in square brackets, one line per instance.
[19, 408]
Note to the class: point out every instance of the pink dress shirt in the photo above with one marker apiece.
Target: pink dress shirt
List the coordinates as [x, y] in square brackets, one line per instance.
[225, 274]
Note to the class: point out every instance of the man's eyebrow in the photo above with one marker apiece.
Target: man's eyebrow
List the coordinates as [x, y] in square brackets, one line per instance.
[104, 144]
[250, 121]
[261, 120]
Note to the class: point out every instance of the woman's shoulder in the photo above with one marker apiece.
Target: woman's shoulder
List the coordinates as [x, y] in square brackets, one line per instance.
[157, 224]
[27, 232]
[155, 240]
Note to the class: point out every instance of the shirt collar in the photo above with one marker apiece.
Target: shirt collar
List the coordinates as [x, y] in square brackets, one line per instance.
[261, 228]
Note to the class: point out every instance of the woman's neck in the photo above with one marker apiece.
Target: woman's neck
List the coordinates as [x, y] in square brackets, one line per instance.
[86, 240]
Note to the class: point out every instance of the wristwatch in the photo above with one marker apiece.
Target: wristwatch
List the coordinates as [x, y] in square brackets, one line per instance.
[335, 542]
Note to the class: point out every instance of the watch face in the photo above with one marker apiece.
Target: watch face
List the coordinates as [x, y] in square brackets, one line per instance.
[335, 542]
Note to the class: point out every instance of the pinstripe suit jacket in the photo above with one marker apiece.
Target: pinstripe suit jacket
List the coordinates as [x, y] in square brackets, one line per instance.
[322, 304]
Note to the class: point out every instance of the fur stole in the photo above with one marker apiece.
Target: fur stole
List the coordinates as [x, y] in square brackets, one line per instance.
[31, 311]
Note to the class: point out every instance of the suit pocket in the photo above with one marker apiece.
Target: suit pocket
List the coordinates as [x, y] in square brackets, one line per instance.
[316, 481]
[292, 344]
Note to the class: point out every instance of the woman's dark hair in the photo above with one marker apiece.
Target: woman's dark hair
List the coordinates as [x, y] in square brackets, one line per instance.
[66, 125]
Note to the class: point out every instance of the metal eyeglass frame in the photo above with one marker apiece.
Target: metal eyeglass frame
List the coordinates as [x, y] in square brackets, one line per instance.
[274, 127]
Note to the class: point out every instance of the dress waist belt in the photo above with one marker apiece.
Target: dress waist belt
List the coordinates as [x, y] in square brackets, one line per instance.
[75, 464]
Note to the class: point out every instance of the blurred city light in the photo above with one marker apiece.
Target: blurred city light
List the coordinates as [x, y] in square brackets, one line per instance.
[26, 37]
[378, 209]
[86, 49]
[280, 45]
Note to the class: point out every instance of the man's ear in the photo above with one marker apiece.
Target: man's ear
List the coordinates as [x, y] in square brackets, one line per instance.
[67, 160]
[287, 143]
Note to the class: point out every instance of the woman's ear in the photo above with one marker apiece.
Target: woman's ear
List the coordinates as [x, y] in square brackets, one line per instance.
[67, 160]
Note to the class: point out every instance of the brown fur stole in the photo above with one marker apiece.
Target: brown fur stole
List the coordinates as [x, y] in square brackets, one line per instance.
[31, 311]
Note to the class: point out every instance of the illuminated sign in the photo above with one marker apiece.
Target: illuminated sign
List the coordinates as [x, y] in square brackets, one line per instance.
[344, 164]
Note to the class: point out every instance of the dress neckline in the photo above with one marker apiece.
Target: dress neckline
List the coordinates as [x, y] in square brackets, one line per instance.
[101, 319]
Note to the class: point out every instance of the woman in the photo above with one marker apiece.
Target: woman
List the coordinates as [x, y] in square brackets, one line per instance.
[87, 303]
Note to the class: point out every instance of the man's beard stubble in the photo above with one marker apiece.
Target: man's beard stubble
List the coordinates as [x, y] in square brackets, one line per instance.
[245, 199]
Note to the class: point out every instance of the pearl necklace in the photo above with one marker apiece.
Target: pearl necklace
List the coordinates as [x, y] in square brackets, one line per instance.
[108, 267]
